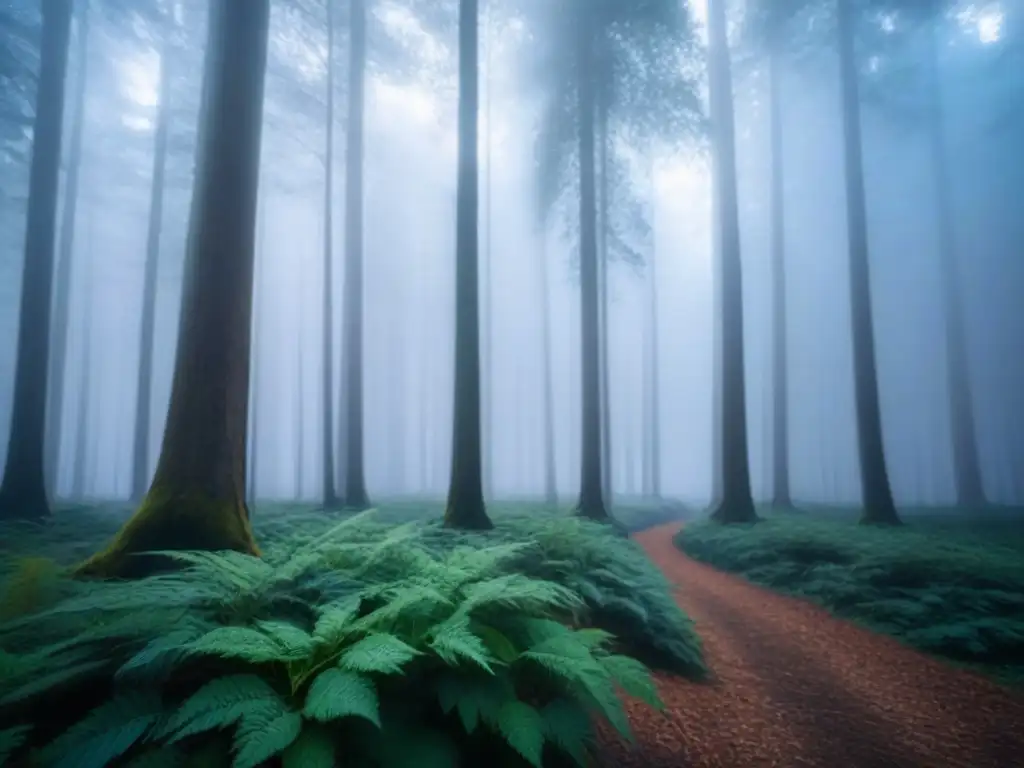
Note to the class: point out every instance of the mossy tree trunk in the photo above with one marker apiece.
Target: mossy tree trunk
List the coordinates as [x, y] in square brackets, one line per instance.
[355, 496]
[879, 508]
[197, 497]
[144, 392]
[329, 494]
[780, 383]
[591, 500]
[465, 507]
[23, 490]
[736, 504]
[65, 254]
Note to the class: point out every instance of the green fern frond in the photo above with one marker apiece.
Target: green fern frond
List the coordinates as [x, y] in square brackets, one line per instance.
[474, 698]
[338, 693]
[335, 619]
[59, 677]
[106, 733]
[568, 725]
[523, 728]
[378, 652]
[243, 643]
[160, 655]
[453, 641]
[295, 643]
[264, 734]
[314, 748]
[220, 703]
[633, 677]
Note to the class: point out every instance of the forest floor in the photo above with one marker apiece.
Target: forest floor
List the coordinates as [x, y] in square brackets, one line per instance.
[794, 686]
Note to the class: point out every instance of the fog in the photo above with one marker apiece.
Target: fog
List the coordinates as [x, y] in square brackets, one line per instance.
[409, 309]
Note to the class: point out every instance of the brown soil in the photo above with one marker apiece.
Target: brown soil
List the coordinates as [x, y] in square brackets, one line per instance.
[794, 686]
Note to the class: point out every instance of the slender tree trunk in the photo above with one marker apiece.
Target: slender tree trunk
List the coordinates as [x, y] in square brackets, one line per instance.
[602, 281]
[300, 422]
[736, 505]
[197, 497]
[84, 396]
[465, 507]
[23, 490]
[144, 390]
[780, 385]
[257, 336]
[970, 490]
[328, 491]
[591, 501]
[66, 247]
[654, 382]
[877, 494]
[550, 467]
[356, 496]
[487, 308]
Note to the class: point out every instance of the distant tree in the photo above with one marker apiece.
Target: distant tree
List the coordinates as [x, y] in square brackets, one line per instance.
[197, 497]
[465, 507]
[328, 492]
[23, 490]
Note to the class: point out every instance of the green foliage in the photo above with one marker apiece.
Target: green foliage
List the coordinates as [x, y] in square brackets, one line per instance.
[393, 645]
[953, 597]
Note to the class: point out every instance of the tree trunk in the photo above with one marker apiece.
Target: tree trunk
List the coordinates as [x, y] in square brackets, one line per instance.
[197, 497]
[654, 382]
[254, 373]
[780, 386]
[328, 491]
[970, 490]
[877, 494]
[300, 423]
[736, 505]
[550, 467]
[23, 490]
[465, 507]
[487, 306]
[62, 278]
[591, 501]
[356, 496]
[144, 391]
[84, 396]
[602, 282]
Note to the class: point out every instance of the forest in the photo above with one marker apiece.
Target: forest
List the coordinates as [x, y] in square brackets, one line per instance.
[414, 383]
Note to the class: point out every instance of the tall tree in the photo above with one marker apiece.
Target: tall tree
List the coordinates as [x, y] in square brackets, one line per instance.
[652, 467]
[465, 507]
[356, 496]
[879, 507]
[550, 469]
[602, 108]
[197, 497]
[328, 490]
[84, 393]
[66, 248]
[257, 335]
[487, 279]
[144, 391]
[736, 504]
[23, 490]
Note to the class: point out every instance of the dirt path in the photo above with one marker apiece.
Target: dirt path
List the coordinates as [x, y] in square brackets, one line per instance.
[794, 686]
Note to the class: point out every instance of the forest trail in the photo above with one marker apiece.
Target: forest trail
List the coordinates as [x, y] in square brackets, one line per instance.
[793, 686]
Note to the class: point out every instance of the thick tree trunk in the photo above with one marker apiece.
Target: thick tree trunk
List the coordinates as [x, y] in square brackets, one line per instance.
[604, 228]
[23, 490]
[328, 491]
[550, 467]
[591, 501]
[356, 496]
[84, 397]
[144, 391]
[465, 508]
[780, 385]
[736, 504]
[62, 278]
[197, 498]
[970, 490]
[877, 494]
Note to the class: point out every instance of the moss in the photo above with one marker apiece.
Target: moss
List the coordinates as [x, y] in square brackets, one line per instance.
[171, 521]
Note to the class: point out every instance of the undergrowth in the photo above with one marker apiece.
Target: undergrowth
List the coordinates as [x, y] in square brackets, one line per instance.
[961, 601]
[389, 646]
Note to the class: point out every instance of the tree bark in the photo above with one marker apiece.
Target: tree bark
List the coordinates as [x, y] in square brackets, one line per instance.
[328, 491]
[144, 391]
[970, 491]
[591, 500]
[780, 385]
[550, 467]
[487, 306]
[356, 496]
[62, 278]
[879, 508]
[254, 373]
[197, 497]
[23, 490]
[465, 507]
[602, 282]
[736, 505]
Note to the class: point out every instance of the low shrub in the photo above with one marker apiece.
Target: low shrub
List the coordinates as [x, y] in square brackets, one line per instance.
[962, 601]
[395, 646]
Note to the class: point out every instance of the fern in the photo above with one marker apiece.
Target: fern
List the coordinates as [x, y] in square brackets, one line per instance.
[378, 652]
[338, 693]
[263, 734]
[523, 728]
[218, 704]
